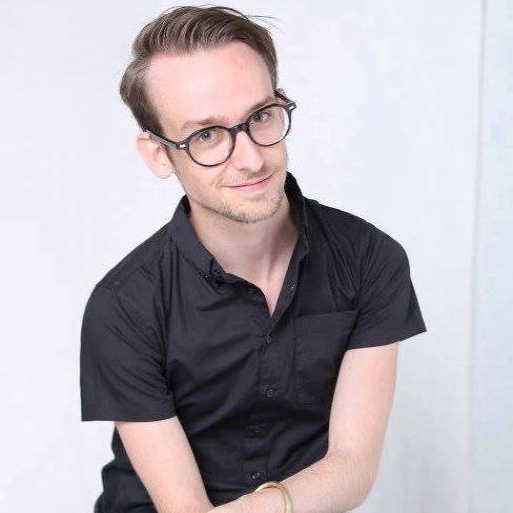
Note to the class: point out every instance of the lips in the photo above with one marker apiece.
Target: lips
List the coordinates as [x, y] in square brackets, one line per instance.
[252, 183]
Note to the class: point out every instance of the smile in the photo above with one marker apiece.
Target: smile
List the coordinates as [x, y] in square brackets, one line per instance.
[259, 186]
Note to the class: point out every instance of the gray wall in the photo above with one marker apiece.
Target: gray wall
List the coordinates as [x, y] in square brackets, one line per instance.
[491, 452]
[390, 92]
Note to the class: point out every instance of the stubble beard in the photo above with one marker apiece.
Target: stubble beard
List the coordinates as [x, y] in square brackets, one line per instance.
[248, 212]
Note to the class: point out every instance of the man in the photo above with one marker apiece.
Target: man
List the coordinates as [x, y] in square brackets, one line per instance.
[253, 338]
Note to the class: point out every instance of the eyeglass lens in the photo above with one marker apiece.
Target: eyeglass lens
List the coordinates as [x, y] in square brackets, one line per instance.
[213, 145]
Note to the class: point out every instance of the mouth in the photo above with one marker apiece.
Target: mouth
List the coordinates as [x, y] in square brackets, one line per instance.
[260, 184]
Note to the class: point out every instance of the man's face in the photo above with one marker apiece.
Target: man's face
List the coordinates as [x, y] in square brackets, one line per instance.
[223, 82]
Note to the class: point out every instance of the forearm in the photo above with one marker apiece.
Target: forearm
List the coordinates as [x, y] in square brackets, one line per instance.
[201, 507]
[334, 484]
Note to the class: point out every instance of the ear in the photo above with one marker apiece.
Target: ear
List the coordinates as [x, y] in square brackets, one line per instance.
[155, 155]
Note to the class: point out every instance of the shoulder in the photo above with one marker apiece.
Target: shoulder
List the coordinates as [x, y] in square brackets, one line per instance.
[342, 224]
[142, 261]
[362, 239]
[334, 218]
[136, 280]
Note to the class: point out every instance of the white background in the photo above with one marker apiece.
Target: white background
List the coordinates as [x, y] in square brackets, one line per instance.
[396, 122]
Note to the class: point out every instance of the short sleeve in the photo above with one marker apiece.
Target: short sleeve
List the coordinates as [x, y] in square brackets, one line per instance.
[121, 363]
[388, 310]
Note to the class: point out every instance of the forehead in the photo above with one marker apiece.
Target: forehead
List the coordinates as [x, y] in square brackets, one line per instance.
[223, 81]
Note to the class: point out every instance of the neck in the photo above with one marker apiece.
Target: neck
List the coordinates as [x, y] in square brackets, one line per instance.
[255, 252]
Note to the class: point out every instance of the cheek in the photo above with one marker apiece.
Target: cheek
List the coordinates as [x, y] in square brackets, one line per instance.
[274, 158]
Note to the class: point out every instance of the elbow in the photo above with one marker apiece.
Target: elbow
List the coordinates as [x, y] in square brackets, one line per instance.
[360, 470]
[370, 472]
[362, 491]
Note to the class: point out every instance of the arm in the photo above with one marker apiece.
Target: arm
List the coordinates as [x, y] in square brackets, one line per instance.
[163, 459]
[359, 414]
[122, 379]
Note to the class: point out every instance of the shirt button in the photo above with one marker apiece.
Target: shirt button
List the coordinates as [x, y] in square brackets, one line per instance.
[292, 286]
[256, 430]
[269, 392]
[258, 475]
[251, 290]
[268, 339]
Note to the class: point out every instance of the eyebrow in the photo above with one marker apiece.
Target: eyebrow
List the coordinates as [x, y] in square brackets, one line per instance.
[214, 120]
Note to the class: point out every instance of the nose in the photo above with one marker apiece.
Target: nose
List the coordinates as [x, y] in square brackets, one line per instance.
[246, 153]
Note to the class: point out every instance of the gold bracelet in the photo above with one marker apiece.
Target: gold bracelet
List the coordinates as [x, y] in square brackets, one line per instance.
[286, 494]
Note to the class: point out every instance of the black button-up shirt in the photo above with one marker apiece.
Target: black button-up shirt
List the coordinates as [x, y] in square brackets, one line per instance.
[168, 332]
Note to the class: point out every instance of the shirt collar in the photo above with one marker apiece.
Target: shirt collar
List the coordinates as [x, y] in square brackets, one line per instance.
[190, 246]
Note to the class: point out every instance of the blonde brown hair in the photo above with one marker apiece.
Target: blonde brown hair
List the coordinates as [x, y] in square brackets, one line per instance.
[182, 30]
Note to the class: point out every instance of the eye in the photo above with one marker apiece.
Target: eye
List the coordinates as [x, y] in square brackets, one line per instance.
[261, 116]
[205, 139]
[207, 136]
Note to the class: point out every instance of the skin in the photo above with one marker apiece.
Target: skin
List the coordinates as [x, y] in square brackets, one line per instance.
[252, 234]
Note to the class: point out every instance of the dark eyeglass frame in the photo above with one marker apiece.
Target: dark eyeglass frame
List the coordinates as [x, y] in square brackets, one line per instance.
[289, 106]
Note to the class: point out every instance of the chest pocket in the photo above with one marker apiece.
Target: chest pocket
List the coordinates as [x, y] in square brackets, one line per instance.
[320, 342]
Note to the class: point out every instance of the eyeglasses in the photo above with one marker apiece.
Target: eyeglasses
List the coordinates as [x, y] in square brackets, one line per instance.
[213, 145]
